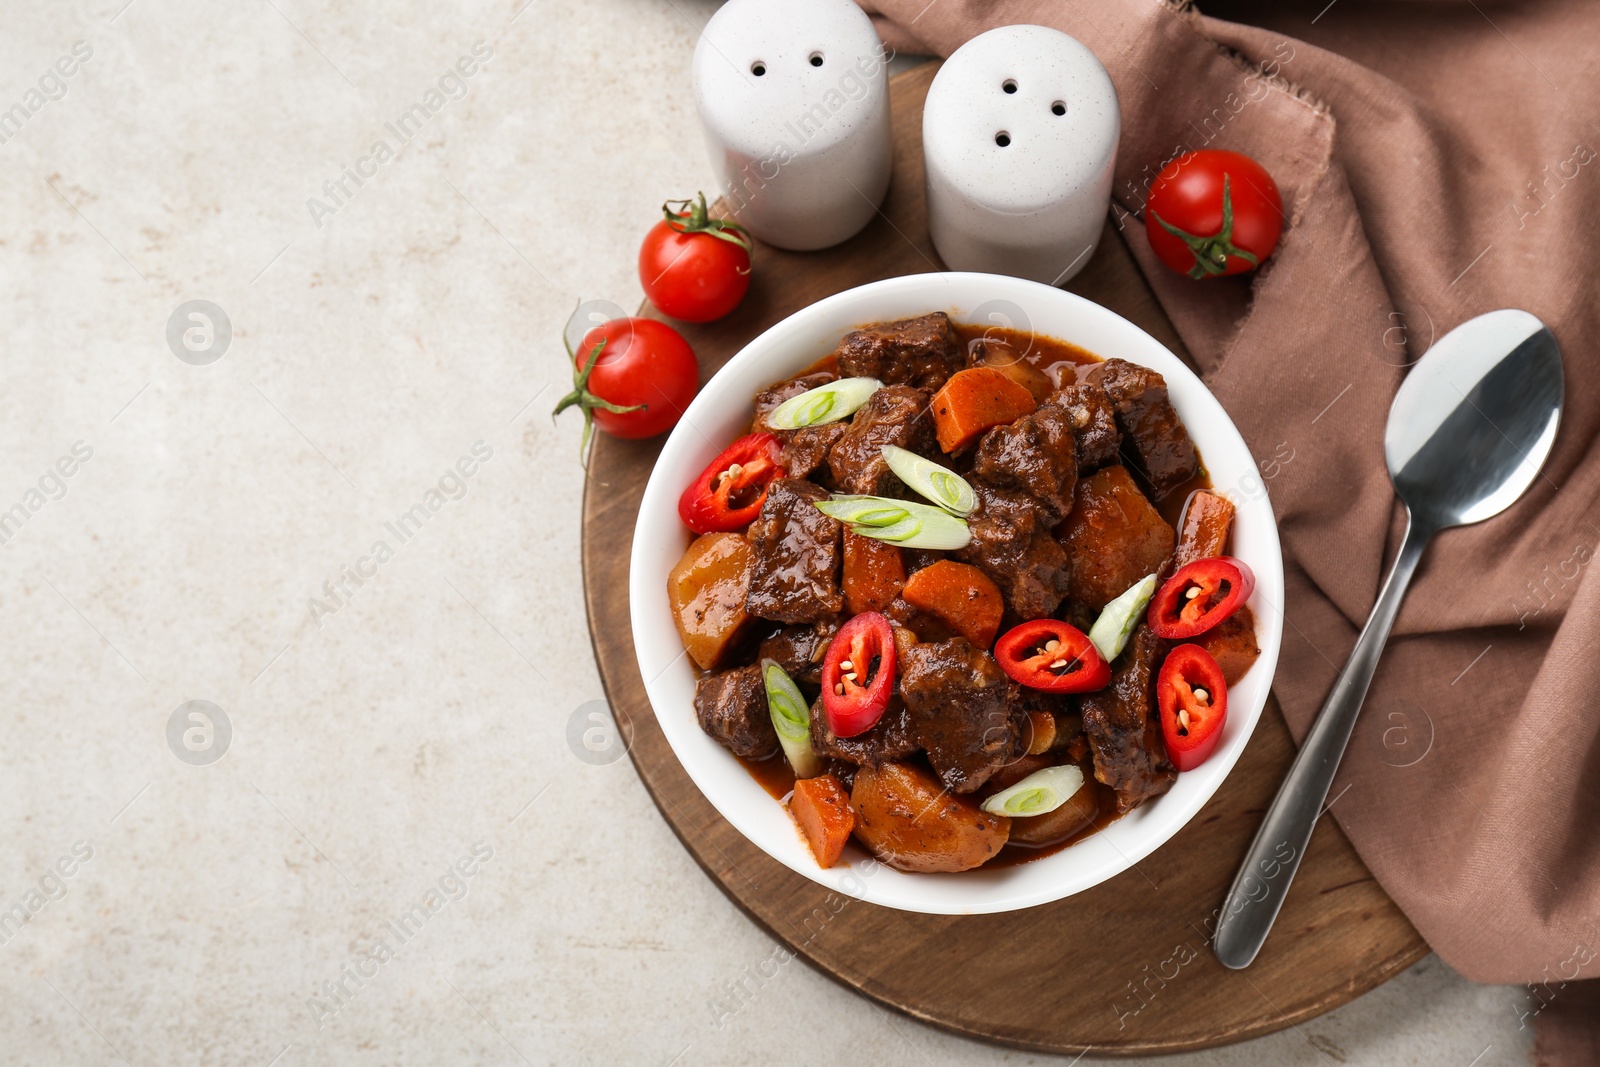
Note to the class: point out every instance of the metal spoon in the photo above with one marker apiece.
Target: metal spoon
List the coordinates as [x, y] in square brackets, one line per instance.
[1468, 432]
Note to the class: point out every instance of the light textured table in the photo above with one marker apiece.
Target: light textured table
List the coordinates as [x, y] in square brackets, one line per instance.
[395, 713]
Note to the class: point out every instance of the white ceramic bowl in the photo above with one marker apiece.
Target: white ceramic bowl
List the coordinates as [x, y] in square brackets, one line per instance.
[722, 412]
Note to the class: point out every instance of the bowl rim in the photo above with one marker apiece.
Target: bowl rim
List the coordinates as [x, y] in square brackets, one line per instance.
[787, 348]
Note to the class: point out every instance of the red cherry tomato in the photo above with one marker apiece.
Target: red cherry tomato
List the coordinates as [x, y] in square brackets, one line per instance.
[1194, 705]
[1199, 597]
[694, 267]
[729, 493]
[1050, 655]
[1212, 213]
[858, 674]
[634, 377]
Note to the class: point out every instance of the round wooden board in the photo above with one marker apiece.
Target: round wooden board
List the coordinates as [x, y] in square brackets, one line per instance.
[1123, 969]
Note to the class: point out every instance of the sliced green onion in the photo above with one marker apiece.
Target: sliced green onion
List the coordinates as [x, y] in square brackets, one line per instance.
[901, 522]
[893, 533]
[1116, 623]
[1038, 794]
[791, 718]
[939, 484]
[825, 403]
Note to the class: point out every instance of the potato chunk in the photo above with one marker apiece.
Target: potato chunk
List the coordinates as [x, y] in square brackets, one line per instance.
[1114, 537]
[909, 821]
[1073, 817]
[707, 593]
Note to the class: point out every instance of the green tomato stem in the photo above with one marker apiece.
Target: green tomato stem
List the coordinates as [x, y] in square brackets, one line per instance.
[692, 216]
[1211, 253]
[587, 402]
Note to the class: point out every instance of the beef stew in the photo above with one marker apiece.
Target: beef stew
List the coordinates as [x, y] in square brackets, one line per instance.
[1073, 505]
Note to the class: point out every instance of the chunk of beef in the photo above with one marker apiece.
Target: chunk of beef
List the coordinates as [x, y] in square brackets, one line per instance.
[925, 624]
[1012, 544]
[843, 770]
[794, 557]
[1115, 537]
[890, 739]
[1036, 455]
[769, 398]
[731, 706]
[1145, 415]
[923, 352]
[962, 712]
[895, 415]
[1094, 423]
[805, 451]
[1124, 730]
[799, 649]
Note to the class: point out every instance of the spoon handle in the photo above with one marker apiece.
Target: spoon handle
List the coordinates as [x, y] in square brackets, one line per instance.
[1263, 880]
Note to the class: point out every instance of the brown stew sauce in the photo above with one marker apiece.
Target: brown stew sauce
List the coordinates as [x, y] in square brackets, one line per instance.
[1062, 362]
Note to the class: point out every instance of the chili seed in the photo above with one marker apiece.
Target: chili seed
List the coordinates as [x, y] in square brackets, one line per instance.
[1194, 591]
[1058, 664]
[1183, 718]
[1052, 645]
[846, 665]
[850, 675]
[838, 690]
[1201, 695]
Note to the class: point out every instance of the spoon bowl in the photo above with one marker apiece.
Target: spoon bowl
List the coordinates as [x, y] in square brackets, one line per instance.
[1468, 432]
[1473, 422]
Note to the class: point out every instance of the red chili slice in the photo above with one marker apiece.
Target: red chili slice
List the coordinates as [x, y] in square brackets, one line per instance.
[1194, 705]
[858, 674]
[1050, 655]
[729, 493]
[1200, 596]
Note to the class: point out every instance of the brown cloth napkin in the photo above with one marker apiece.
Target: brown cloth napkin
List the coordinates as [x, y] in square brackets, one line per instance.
[1437, 160]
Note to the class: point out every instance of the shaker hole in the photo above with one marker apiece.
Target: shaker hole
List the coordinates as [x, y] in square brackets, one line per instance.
[1002, 138]
[1058, 108]
[758, 68]
[1009, 85]
[816, 59]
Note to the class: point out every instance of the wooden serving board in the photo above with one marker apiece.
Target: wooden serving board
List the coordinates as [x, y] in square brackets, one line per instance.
[1123, 969]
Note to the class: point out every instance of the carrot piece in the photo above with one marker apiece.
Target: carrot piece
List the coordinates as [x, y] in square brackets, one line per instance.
[1044, 732]
[821, 808]
[975, 400]
[874, 572]
[1203, 528]
[961, 596]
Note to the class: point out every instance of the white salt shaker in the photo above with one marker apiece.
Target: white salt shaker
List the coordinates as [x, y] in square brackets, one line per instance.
[794, 101]
[1019, 136]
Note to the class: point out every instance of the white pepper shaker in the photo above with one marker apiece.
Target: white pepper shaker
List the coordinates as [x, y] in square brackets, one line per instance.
[794, 102]
[1019, 135]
